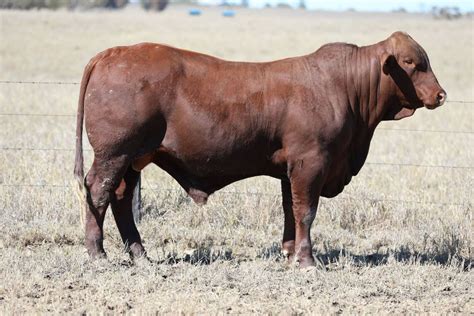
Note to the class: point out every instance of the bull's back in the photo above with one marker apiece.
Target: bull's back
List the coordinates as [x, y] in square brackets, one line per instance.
[208, 109]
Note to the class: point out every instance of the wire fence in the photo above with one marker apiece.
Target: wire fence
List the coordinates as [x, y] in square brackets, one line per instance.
[244, 193]
[38, 82]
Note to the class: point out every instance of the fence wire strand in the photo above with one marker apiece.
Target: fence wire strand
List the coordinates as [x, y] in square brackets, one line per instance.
[38, 114]
[38, 82]
[38, 149]
[423, 130]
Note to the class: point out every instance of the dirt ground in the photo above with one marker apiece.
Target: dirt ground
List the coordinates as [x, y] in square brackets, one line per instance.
[399, 239]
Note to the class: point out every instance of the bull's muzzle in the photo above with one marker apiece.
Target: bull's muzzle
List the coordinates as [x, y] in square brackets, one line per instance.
[440, 98]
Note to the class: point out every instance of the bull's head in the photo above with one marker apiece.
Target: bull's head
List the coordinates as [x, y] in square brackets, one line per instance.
[409, 80]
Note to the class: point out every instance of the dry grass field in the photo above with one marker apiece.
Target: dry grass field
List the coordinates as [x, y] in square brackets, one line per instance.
[399, 239]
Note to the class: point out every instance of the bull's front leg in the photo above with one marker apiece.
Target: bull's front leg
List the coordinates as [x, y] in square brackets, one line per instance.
[288, 244]
[306, 183]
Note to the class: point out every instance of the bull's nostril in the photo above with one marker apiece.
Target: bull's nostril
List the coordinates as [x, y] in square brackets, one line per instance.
[441, 97]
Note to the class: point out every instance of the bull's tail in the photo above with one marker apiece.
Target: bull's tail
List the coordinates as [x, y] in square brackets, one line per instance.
[79, 161]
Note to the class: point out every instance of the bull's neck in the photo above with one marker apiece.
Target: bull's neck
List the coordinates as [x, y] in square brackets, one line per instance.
[363, 86]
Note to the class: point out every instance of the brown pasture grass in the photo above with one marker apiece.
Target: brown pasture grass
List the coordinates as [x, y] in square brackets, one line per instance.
[376, 251]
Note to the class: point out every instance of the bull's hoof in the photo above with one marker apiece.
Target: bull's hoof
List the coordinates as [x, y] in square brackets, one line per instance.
[136, 250]
[304, 262]
[289, 256]
[97, 254]
[95, 249]
[288, 250]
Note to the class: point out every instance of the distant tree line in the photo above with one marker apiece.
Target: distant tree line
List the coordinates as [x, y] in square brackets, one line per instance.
[157, 5]
[448, 13]
[441, 13]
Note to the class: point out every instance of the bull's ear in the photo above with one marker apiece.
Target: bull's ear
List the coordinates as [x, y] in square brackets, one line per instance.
[389, 63]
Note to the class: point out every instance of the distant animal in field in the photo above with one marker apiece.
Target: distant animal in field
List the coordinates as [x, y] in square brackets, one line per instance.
[307, 121]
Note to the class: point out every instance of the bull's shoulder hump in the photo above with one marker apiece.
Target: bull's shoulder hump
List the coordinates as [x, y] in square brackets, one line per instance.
[336, 47]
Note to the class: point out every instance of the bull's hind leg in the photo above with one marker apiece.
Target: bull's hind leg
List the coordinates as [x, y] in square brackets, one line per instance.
[122, 210]
[101, 181]
[288, 244]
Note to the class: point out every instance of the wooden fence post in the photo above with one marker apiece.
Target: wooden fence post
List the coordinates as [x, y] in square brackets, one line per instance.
[137, 201]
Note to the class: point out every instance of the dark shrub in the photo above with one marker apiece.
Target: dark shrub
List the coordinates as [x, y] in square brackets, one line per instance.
[54, 4]
[156, 5]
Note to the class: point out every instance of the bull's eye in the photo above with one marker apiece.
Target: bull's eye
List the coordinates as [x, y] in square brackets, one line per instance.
[408, 61]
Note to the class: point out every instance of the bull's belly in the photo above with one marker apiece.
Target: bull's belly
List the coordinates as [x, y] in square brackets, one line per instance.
[200, 176]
